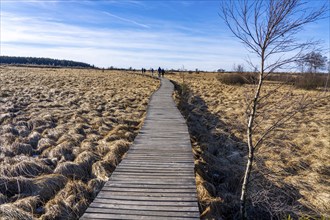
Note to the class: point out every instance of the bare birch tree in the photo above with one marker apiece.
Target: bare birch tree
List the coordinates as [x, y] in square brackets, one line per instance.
[268, 29]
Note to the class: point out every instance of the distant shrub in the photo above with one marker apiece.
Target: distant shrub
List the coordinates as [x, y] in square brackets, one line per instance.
[311, 81]
[282, 77]
[238, 78]
[306, 81]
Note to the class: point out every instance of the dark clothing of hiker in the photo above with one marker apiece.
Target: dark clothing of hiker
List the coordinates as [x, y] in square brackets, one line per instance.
[159, 71]
[163, 72]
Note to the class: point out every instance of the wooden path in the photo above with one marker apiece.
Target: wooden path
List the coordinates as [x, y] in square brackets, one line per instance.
[156, 178]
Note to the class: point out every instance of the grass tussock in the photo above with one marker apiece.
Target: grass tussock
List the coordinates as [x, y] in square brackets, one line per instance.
[23, 166]
[291, 169]
[62, 133]
[11, 212]
[69, 203]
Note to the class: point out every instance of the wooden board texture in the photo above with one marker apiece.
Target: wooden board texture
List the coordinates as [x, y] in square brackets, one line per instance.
[156, 178]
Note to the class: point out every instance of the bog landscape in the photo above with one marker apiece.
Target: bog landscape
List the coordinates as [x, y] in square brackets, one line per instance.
[63, 132]
[84, 141]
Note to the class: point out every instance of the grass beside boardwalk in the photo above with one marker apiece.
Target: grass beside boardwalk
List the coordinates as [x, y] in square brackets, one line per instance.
[292, 168]
[62, 133]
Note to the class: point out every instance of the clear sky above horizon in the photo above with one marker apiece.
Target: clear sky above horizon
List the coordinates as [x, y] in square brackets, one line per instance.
[123, 33]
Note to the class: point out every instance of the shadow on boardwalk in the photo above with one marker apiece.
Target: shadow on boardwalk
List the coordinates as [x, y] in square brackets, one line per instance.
[220, 163]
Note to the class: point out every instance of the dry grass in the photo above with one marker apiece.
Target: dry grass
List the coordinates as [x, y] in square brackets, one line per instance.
[62, 133]
[291, 169]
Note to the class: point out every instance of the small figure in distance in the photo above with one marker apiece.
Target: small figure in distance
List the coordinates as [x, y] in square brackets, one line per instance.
[142, 70]
[159, 71]
[163, 72]
[152, 71]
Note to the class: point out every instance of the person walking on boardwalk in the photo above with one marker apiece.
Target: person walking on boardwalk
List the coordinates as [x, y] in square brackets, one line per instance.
[163, 72]
[159, 71]
[152, 71]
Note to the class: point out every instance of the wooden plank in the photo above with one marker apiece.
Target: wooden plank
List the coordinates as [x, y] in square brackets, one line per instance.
[151, 190]
[158, 157]
[148, 186]
[153, 175]
[93, 216]
[186, 162]
[152, 182]
[154, 166]
[151, 179]
[157, 166]
[148, 194]
[149, 198]
[153, 170]
[172, 208]
[143, 212]
[146, 202]
[156, 152]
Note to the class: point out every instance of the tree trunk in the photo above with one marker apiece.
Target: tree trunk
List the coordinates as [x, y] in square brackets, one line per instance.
[250, 144]
[245, 184]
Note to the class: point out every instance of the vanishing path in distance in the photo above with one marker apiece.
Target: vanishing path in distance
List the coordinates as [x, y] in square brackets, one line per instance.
[156, 179]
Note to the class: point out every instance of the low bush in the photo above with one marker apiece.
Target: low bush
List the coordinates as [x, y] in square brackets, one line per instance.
[306, 81]
[238, 78]
[311, 81]
[282, 77]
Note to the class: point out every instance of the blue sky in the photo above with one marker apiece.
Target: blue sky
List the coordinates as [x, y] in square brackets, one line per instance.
[123, 33]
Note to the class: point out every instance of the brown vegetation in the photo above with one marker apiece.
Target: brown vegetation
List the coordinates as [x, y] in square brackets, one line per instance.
[62, 133]
[291, 175]
[307, 81]
[238, 78]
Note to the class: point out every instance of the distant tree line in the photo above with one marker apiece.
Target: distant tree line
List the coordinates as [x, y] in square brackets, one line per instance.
[42, 62]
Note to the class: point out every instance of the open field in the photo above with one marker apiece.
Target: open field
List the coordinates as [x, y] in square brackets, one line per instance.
[62, 133]
[291, 173]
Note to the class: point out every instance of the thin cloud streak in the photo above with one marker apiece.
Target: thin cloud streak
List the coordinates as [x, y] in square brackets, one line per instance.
[126, 20]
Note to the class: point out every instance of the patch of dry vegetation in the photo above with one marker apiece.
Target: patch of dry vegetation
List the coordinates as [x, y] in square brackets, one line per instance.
[62, 133]
[292, 168]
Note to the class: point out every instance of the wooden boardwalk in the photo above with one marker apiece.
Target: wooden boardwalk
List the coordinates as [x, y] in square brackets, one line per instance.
[156, 179]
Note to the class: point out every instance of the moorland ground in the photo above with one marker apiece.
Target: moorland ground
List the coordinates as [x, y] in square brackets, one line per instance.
[62, 133]
[291, 170]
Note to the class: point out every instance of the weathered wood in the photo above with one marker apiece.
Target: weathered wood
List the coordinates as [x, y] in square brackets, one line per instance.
[143, 212]
[159, 182]
[93, 216]
[172, 208]
[164, 194]
[156, 178]
[148, 186]
[157, 170]
[149, 203]
[146, 190]
[149, 198]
